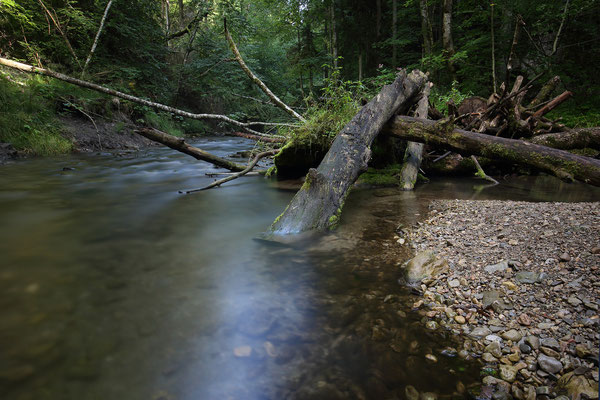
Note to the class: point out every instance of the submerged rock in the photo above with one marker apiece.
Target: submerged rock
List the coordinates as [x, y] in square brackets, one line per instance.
[578, 385]
[424, 265]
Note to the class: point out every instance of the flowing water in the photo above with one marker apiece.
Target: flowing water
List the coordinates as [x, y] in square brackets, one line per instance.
[115, 286]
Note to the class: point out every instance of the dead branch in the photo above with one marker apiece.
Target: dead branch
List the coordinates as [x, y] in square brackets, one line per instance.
[255, 78]
[89, 57]
[237, 175]
[179, 144]
[481, 173]
[266, 139]
[558, 100]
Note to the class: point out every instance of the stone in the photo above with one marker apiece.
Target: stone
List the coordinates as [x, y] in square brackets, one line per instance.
[431, 358]
[542, 390]
[480, 332]
[460, 319]
[411, 393]
[488, 357]
[565, 257]
[525, 348]
[574, 301]
[493, 338]
[528, 277]
[514, 357]
[424, 265]
[512, 334]
[454, 283]
[533, 341]
[500, 267]
[431, 325]
[596, 250]
[494, 349]
[582, 351]
[549, 364]
[524, 319]
[508, 373]
[428, 396]
[490, 297]
[578, 385]
[509, 285]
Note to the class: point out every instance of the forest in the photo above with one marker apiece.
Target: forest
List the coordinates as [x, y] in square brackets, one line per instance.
[403, 199]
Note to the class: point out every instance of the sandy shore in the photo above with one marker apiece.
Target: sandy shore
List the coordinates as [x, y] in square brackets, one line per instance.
[520, 283]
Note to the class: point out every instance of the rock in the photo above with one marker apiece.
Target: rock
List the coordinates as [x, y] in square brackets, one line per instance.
[578, 385]
[431, 358]
[582, 351]
[513, 335]
[242, 351]
[525, 348]
[574, 301]
[542, 390]
[508, 373]
[533, 341]
[524, 319]
[493, 338]
[480, 332]
[424, 265]
[488, 357]
[551, 343]
[500, 267]
[490, 297]
[596, 250]
[428, 396]
[514, 357]
[509, 285]
[528, 277]
[494, 349]
[460, 319]
[565, 257]
[454, 283]
[549, 364]
[411, 393]
[431, 325]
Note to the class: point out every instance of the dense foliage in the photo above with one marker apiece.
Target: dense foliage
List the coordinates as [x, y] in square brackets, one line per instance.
[173, 51]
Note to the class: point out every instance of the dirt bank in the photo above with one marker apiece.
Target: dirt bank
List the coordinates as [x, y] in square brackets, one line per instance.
[521, 287]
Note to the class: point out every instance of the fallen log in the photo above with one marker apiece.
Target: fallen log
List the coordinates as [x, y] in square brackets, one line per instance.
[179, 144]
[318, 204]
[572, 139]
[565, 165]
[89, 85]
[266, 139]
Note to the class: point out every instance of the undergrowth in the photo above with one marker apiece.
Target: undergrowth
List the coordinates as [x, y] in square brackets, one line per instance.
[27, 119]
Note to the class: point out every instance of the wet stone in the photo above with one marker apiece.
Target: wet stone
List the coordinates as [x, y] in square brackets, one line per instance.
[494, 349]
[513, 335]
[551, 343]
[480, 332]
[528, 277]
[549, 364]
[508, 373]
[525, 348]
[411, 393]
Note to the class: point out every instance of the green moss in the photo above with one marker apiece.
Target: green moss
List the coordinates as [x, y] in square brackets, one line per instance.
[271, 172]
[389, 176]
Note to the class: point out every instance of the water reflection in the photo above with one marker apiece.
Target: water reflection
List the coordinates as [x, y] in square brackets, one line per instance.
[113, 286]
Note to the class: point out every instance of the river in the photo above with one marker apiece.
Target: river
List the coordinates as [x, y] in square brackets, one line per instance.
[115, 286]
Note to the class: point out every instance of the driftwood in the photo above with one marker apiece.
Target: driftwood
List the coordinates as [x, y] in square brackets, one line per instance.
[179, 144]
[318, 204]
[249, 168]
[46, 72]
[563, 164]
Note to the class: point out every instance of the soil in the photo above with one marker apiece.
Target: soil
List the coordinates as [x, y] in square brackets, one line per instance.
[522, 291]
[104, 135]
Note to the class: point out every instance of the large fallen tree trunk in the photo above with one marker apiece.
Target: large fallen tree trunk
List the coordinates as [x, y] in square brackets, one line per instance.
[563, 164]
[318, 204]
[572, 139]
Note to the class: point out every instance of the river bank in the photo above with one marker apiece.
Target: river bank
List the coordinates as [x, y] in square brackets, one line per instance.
[518, 282]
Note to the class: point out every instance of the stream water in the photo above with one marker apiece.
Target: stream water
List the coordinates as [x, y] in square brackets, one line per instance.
[114, 286]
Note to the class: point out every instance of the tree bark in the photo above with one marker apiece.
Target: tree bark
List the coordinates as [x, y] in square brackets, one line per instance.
[565, 165]
[426, 30]
[256, 79]
[573, 139]
[318, 204]
[545, 92]
[414, 150]
[47, 72]
[394, 31]
[89, 57]
[179, 144]
[334, 48]
[558, 100]
[447, 41]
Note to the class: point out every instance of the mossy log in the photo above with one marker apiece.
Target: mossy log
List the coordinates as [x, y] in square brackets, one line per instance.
[563, 164]
[572, 139]
[318, 204]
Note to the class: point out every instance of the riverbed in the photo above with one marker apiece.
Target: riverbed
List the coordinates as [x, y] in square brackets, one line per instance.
[115, 286]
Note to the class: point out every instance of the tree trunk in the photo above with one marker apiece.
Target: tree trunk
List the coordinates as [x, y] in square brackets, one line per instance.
[492, 5]
[414, 150]
[89, 57]
[447, 42]
[565, 165]
[425, 28]
[318, 204]
[378, 19]
[334, 48]
[573, 139]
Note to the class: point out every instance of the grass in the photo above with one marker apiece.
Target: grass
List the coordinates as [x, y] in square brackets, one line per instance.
[27, 119]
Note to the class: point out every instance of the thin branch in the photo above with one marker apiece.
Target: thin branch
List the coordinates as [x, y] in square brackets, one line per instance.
[237, 175]
[481, 173]
[562, 23]
[62, 33]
